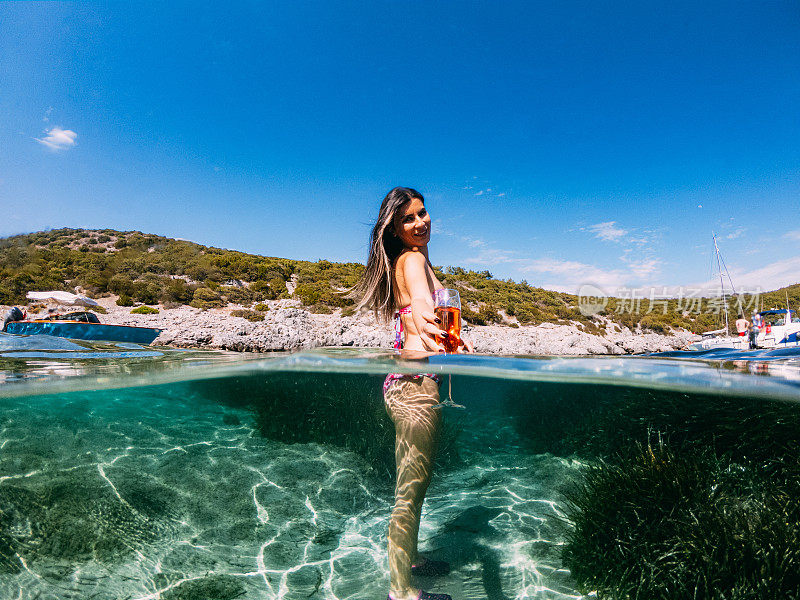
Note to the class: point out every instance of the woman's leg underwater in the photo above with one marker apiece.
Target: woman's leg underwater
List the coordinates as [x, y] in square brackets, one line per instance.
[413, 405]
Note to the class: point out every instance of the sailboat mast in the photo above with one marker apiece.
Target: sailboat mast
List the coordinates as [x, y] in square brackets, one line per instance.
[721, 285]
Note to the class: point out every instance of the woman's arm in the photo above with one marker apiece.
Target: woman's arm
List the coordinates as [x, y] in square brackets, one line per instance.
[416, 280]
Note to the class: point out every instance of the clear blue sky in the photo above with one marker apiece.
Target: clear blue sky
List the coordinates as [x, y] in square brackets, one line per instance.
[560, 142]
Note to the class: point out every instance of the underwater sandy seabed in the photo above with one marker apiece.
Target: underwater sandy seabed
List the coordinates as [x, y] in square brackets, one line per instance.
[164, 492]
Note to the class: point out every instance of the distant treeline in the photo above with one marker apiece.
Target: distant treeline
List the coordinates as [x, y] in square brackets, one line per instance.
[150, 269]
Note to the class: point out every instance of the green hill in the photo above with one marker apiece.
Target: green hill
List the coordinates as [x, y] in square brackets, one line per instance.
[151, 269]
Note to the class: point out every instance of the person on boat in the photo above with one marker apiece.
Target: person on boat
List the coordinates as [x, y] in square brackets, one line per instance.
[14, 314]
[399, 282]
[755, 327]
[742, 325]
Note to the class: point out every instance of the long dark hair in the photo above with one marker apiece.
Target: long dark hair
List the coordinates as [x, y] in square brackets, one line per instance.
[375, 289]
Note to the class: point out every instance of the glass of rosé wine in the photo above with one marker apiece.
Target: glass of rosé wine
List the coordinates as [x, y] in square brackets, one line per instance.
[447, 307]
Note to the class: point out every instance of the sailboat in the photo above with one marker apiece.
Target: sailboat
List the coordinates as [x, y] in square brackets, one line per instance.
[721, 338]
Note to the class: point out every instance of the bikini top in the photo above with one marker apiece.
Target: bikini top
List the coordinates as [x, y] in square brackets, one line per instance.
[398, 326]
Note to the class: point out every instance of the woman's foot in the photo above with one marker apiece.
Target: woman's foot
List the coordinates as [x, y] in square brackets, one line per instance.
[427, 596]
[430, 568]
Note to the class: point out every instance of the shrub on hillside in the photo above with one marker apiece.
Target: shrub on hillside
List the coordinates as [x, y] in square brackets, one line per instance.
[656, 323]
[470, 316]
[320, 293]
[488, 312]
[120, 284]
[321, 309]
[236, 294]
[309, 294]
[177, 290]
[250, 315]
[263, 290]
[144, 310]
[269, 290]
[197, 271]
[206, 298]
[124, 300]
[278, 286]
[146, 292]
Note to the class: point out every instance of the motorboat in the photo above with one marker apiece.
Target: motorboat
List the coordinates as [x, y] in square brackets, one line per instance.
[76, 325]
[781, 329]
[80, 325]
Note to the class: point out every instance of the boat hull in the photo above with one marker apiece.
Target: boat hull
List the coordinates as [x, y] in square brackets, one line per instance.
[85, 331]
[721, 343]
[780, 336]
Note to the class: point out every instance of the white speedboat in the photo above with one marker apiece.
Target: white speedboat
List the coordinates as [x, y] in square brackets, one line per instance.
[781, 329]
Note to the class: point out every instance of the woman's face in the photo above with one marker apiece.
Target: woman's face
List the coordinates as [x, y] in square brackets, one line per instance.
[412, 224]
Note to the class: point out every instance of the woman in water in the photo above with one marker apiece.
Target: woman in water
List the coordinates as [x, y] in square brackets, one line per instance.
[399, 282]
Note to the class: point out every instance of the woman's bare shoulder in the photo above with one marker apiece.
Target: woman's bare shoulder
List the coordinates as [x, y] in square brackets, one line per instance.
[410, 258]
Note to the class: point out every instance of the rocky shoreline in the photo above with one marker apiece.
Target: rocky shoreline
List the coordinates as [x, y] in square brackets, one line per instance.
[288, 326]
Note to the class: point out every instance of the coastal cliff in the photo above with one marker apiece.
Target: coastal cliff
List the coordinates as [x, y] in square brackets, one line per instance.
[137, 268]
[287, 326]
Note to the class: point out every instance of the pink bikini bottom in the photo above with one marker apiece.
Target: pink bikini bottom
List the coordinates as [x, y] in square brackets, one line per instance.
[392, 377]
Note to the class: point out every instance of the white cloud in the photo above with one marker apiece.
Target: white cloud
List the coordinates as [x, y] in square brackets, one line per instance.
[636, 269]
[569, 275]
[488, 255]
[792, 235]
[556, 274]
[608, 231]
[644, 269]
[58, 139]
[768, 277]
[735, 234]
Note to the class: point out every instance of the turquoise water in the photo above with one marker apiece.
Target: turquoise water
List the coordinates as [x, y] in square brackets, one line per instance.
[135, 473]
